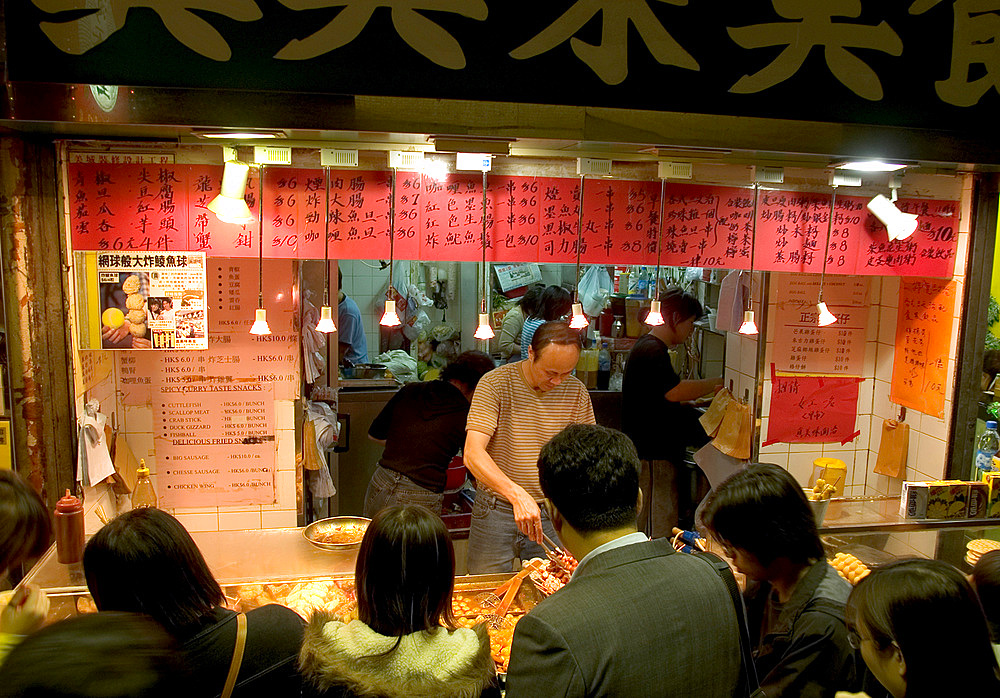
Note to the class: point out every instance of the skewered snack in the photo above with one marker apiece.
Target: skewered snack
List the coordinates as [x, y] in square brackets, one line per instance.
[552, 577]
[850, 567]
[821, 490]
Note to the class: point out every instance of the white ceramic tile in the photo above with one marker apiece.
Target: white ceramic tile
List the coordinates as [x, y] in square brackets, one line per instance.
[284, 414]
[932, 454]
[239, 509]
[924, 542]
[239, 521]
[800, 465]
[142, 447]
[887, 325]
[208, 521]
[286, 450]
[874, 289]
[884, 357]
[138, 419]
[890, 291]
[866, 392]
[285, 488]
[748, 357]
[766, 398]
[779, 459]
[282, 518]
[177, 511]
[882, 407]
[868, 369]
[733, 349]
[871, 327]
[932, 426]
[962, 253]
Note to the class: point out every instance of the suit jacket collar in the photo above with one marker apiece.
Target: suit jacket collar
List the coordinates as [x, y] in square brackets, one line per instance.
[636, 552]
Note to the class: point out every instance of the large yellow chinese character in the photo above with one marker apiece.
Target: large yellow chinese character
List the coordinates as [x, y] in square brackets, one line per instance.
[817, 28]
[423, 35]
[609, 59]
[79, 35]
[975, 39]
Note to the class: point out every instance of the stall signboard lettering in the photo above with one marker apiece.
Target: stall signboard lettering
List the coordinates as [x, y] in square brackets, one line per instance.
[813, 409]
[914, 63]
[801, 345]
[128, 207]
[214, 447]
[152, 300]
[923, 338]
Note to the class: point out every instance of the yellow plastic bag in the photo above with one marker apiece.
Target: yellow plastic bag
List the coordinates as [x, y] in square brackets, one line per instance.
[736, 431]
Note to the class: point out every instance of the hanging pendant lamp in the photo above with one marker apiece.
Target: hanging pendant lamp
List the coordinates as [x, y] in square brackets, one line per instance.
[325, 323]
[579, 320]
[260, 326]
[749, 326]
[389, 317]
[825, 317]
[654, 317]
[483, 330]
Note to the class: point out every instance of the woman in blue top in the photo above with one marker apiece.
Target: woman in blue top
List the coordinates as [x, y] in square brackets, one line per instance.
[553, 305]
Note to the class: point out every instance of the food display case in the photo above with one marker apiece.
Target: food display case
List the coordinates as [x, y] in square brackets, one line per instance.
[280, 566]
[871, 530]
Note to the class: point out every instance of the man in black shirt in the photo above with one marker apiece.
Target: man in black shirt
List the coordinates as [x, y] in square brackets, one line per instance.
[657, 421]
[423, 427]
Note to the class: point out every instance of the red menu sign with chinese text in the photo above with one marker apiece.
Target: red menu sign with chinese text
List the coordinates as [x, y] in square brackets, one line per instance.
[812, 409]
[154, 207]
[923, 339]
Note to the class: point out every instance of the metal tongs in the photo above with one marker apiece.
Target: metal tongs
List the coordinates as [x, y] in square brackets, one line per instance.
[550, 548]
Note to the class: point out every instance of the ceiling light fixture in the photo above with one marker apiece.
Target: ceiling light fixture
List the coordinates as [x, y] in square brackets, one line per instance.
[237, 134]
[870, 165]
[260, 325]
[325, 323]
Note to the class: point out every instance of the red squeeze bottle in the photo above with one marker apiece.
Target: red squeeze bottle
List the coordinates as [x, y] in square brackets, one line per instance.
[69, 529]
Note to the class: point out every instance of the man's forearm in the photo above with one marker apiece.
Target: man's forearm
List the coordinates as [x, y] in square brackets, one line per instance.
[488, 473]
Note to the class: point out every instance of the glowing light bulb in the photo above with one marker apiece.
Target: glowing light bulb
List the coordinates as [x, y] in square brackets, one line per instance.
[825, 316]
[325, 323]
[389, 318]
[260, 323]
[484, 331]
[579, 320]
[748, 326]
[654, 317]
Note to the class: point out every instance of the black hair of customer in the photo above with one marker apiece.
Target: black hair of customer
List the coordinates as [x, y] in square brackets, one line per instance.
[986, 580]
[145, 561]
[97, 655]
[553, 304]
[555, 332]
[467, 368]
[25, 526]
[529, 301]
[676, 305]
[929, 609]
[590, 474]
[405, 572]
[763, 510]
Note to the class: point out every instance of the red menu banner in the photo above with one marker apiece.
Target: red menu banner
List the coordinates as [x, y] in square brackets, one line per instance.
[158, 207]
[923, 343]
[812, 409]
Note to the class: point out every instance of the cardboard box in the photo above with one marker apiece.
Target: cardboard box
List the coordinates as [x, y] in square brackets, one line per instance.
[979, 500]
[992, 479]
[947, 499]
[913, 500]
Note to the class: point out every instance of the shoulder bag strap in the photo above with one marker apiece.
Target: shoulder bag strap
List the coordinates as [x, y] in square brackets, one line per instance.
[234, 666]
[722, 569]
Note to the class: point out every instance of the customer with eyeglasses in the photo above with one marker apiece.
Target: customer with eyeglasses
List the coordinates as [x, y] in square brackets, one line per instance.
[794, 598]
[922, 632]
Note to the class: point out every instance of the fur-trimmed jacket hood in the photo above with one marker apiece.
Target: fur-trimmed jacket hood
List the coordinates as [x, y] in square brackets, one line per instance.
[436, 664]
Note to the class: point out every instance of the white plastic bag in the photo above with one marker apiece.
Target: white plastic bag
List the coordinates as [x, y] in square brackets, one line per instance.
[595, 287]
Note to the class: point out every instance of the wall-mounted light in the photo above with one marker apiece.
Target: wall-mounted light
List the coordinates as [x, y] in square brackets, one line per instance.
[229, 205]
[900, 225]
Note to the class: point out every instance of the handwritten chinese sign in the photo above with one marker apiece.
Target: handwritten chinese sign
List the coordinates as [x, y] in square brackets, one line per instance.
[140, 207]
[923, 63]
[923, 343]
[813, 409]
[803, 346]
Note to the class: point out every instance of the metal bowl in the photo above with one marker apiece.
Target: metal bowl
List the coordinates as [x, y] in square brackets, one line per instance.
[315, 531]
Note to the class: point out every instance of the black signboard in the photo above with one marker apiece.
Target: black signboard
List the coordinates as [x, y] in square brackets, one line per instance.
[918, 63]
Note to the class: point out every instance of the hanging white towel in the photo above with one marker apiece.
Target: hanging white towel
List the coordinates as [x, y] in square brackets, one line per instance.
[94, 462]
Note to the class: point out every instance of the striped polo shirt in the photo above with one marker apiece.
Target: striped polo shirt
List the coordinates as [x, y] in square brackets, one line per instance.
[519, 419]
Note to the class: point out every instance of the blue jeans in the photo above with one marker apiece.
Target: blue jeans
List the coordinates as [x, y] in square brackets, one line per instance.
[389, 488]
[495, 543]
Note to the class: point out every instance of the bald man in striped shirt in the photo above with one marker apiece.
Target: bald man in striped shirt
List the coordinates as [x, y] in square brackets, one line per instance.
[516, 409]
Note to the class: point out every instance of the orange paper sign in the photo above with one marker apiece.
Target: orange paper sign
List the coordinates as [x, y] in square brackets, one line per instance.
[923, 337]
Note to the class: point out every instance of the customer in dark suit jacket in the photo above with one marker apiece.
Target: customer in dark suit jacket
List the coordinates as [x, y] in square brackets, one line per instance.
[637, 619]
